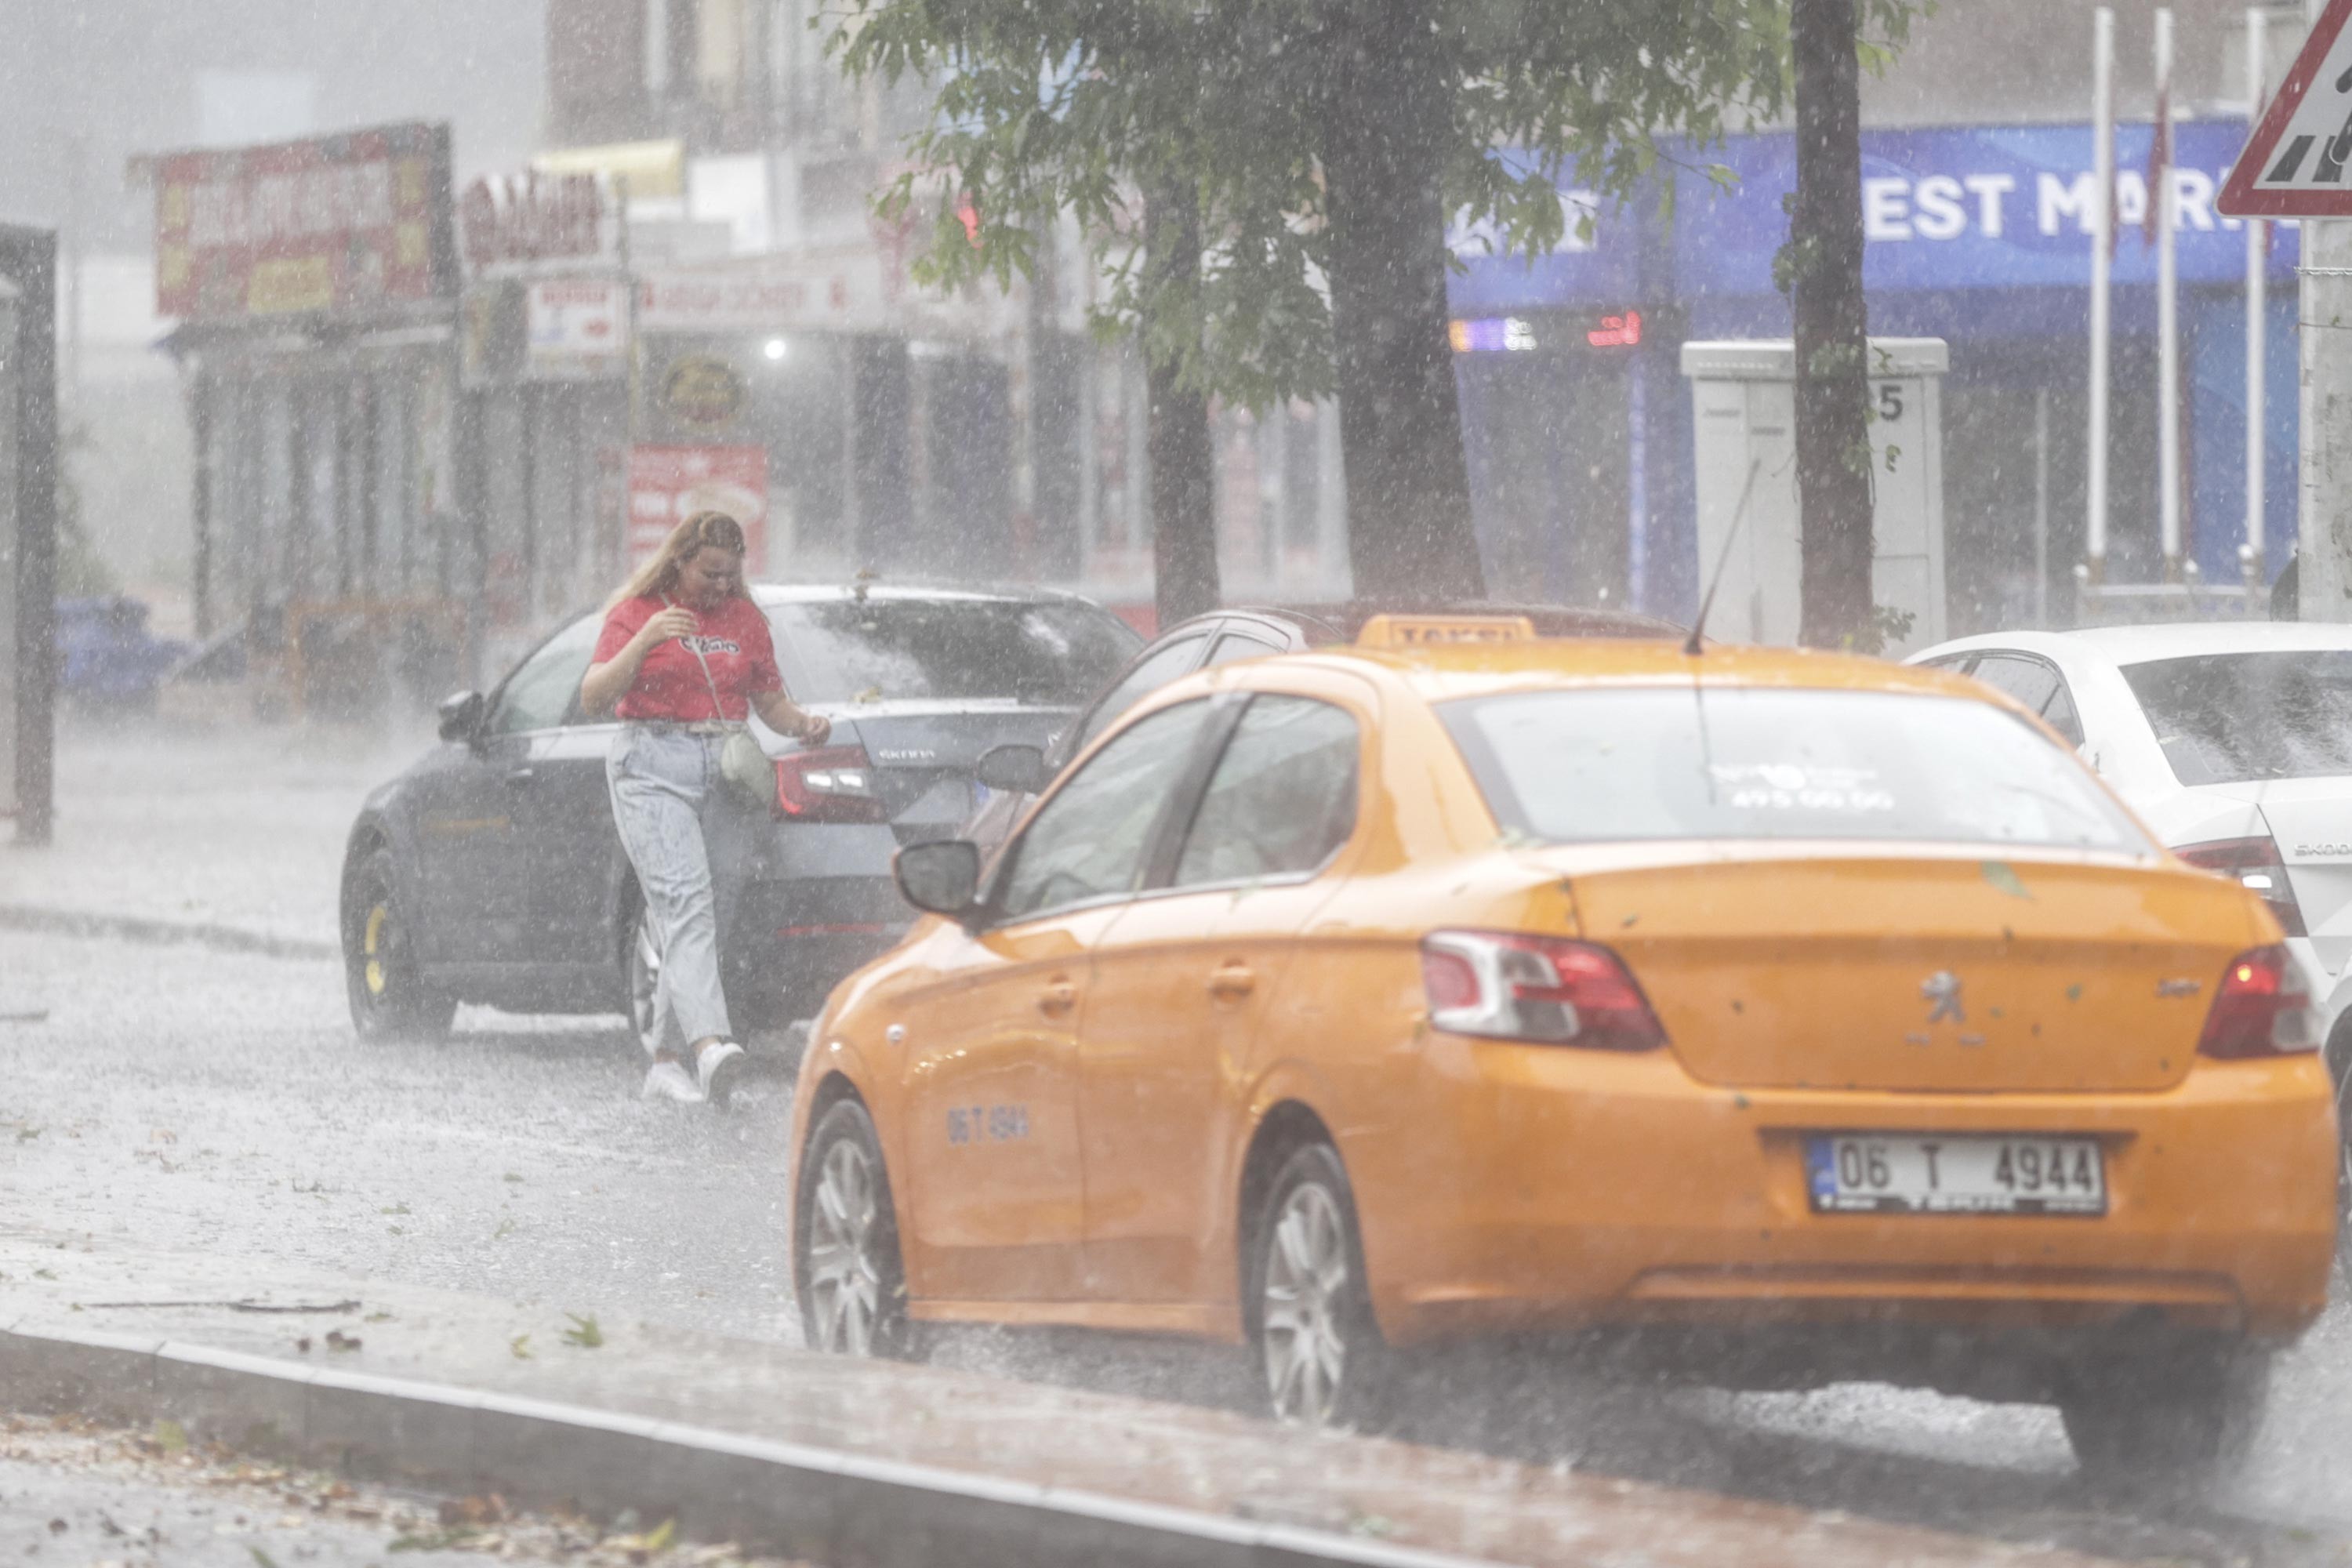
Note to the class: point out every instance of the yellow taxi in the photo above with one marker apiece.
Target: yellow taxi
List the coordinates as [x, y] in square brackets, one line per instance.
[1784, 1017]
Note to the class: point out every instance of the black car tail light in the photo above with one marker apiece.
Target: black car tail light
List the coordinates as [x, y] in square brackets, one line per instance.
[831, 783]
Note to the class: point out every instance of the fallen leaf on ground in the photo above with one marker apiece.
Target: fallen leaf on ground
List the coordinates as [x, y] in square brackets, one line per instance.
[583, 1331]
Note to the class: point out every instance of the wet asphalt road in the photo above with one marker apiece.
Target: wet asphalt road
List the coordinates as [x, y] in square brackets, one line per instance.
[189, 1099]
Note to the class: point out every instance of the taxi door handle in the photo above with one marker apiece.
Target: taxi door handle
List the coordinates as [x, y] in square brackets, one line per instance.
[1057, 998]
[519, 776]
[1232, 981]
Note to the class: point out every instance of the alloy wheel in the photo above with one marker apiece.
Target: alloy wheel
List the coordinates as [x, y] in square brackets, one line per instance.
[1302, 1306]
[845, 1280]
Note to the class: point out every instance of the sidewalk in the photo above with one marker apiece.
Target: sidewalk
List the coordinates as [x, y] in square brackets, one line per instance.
[839, 1460]
[228, 832]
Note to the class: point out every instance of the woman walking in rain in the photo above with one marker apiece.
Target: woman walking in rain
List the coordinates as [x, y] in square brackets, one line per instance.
[683, 659]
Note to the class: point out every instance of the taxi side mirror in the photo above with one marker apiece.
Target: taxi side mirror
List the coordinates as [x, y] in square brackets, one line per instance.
[461, 715]
[1017, 770]
[940, 878]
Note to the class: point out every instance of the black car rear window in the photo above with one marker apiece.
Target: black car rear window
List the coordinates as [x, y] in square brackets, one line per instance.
[888, 650]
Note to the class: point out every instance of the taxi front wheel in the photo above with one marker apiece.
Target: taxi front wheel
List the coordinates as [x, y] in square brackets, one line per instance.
[1318, 1350]
[2161, 1421]
[847, 1269]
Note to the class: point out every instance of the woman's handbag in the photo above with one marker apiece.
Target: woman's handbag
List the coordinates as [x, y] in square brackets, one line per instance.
[741, 763]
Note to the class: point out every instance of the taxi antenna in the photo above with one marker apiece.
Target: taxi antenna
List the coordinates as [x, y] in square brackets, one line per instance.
[1694, 645]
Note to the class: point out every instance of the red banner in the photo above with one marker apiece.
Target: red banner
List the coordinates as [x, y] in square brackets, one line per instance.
[346, 221]
[669, 484]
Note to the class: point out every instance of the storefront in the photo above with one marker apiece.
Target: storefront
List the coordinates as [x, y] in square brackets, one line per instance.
[316, 286]
[1580, 431]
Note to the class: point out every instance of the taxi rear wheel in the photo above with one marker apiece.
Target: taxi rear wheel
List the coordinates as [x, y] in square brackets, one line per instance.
[847, 1269]
[2165, 1420]
[1319, 1354]
[388, 998]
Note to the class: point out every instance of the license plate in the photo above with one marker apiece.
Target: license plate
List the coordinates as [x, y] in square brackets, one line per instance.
[1876, 1172]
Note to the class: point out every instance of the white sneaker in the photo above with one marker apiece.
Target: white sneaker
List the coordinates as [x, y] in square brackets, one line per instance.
[717, 1066]
[670, 1081]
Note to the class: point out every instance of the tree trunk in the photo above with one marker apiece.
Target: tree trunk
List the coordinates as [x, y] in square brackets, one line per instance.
[1183, 509]
[1385, 129]
[1824, 270]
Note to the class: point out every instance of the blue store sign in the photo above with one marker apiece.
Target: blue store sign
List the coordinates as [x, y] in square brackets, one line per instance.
[1954, 208]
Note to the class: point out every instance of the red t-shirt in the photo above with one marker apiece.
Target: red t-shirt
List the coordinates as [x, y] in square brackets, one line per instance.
[733, 640]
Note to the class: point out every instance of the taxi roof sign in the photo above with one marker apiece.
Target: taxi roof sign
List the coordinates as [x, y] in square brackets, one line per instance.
[2298, 162]
[1422, 631]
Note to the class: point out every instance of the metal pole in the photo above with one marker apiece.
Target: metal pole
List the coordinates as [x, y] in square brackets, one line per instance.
[2103, 219]
[2168, 310]
[2257, 309]
[2324, 577]
[2041, 506]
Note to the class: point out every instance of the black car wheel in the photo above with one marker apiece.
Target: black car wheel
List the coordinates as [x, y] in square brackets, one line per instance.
[641, 966]
[847, 1267]
[388, 998]
[2158, 1422]
[1318, 1350]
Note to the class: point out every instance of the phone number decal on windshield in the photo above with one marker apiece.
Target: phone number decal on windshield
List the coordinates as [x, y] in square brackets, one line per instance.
[1790, 786]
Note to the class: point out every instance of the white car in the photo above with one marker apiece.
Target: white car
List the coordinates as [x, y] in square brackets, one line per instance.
[2232, 741]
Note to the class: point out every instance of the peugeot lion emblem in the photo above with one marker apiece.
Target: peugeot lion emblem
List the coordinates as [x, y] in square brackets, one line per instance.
[1943, 988]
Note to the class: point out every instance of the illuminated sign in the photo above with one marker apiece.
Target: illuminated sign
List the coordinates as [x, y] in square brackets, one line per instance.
[1491, 335]
[1617, 332]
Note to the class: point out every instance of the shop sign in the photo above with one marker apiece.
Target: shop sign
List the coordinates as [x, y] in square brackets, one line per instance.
[577, 328]
[702, 390]
[841, 290]
[669, 484]
[521, 221]
[334, 223]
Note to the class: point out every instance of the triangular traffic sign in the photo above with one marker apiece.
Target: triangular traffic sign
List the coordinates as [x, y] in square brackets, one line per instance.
[2298, 162]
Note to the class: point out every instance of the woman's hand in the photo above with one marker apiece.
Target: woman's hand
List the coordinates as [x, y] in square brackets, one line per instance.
[673, 622]
[786, 717]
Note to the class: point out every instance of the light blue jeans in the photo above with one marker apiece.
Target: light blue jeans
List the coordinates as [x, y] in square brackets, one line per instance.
[684, 836]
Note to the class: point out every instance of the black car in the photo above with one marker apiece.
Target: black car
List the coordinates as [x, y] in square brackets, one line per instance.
[1016, 775]
[491, 871]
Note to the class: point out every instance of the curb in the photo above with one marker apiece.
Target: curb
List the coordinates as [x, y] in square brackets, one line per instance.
[142, 927]
[846, 1511]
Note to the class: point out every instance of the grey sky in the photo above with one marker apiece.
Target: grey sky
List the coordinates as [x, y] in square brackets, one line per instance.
[124, 73]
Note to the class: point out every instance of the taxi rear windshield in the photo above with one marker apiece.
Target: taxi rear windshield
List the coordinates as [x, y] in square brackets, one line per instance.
[1683, 762]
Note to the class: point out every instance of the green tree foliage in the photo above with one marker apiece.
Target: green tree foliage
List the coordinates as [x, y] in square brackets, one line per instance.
[1330, 143]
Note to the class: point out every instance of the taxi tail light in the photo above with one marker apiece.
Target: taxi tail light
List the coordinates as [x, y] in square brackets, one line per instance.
[2255, 864]
[1510, 986]
[2262, 1009]
[831, 783]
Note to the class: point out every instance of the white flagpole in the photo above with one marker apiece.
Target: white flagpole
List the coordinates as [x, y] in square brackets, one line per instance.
[2102, 218]
[2257, 309]
[2168, 310]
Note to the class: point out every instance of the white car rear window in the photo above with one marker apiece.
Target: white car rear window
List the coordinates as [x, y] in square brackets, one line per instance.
[2229, 717]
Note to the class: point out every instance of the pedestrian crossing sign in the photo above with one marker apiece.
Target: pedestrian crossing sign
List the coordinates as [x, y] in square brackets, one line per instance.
[2298, 162]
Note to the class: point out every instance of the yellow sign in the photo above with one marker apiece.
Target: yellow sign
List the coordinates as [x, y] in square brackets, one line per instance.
[650, 168]
[1415, 631]
[295, 283]
[703, 390]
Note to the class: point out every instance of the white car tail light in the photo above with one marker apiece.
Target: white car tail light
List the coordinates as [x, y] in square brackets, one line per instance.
[2255, 863]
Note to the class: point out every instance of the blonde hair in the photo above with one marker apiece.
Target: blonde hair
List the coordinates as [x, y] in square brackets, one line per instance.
[659, 575]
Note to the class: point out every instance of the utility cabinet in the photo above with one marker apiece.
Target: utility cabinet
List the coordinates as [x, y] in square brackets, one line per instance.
[1743, 397]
